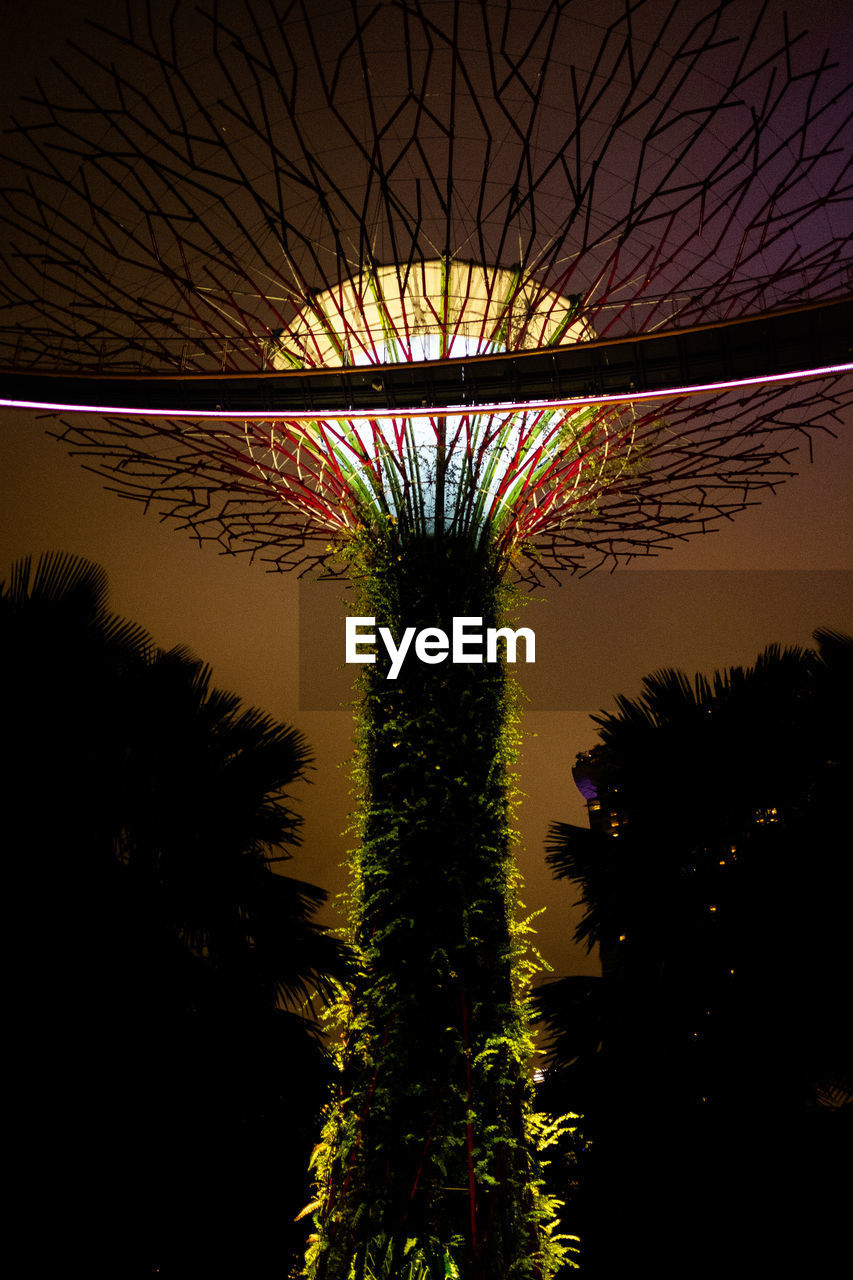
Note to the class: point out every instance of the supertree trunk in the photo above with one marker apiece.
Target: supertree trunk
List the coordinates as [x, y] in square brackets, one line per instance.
[427, 1137]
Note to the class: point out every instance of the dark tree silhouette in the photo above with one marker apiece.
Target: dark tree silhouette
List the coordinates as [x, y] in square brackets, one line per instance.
[169, 1078]
[716, 877]
[717, 800]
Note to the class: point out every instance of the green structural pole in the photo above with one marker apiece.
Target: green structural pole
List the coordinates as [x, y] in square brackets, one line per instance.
[428, 1168]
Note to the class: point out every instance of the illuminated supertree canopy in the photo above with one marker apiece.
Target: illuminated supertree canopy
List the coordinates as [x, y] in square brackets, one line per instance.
[434, 294]
[243, 189]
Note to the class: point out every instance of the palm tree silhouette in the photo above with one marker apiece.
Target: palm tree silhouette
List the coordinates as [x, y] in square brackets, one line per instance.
[716, 878]
[162, 960]
[714, 797]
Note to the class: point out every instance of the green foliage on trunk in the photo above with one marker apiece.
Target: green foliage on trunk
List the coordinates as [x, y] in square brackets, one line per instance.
[428, 1166]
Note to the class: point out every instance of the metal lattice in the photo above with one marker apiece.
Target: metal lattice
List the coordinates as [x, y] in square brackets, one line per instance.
[239, 188]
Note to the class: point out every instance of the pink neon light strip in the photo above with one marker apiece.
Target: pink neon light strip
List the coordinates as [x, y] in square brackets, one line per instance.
[298, 415]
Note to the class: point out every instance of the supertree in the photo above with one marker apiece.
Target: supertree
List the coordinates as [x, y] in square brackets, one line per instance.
[443, 297]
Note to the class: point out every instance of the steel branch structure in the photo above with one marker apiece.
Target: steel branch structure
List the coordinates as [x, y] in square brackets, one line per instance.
[446, 290]
[245, 190]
